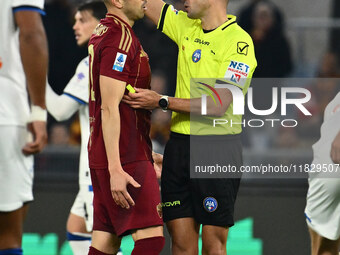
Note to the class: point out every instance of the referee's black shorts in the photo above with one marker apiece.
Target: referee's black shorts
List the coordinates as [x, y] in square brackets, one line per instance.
[208, 201]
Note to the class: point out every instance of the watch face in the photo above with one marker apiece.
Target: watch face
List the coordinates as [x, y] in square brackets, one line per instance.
[163, 103]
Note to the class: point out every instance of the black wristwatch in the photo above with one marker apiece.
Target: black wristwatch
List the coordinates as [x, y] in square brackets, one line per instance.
[164, 103]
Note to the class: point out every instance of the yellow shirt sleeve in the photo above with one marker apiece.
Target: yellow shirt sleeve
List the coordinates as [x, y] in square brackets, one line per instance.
[239, 63]
[173, 23]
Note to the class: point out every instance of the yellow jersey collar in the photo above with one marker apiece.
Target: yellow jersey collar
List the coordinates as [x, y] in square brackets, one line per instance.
[231, 20]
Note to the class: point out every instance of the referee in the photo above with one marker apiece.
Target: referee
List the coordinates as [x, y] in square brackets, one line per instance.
[211, 45]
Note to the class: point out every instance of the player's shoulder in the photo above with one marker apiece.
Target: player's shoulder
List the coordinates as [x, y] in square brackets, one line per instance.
[114, 32]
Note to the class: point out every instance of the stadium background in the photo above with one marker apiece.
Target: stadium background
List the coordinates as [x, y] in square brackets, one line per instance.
[269, 212]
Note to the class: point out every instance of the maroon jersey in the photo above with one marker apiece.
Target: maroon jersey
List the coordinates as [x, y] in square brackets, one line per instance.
[115, 52]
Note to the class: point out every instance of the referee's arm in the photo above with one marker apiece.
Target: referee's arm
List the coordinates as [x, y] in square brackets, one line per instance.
[148, 99]
[154, 9]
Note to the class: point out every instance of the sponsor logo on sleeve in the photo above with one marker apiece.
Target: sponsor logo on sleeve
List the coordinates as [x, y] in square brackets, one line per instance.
[119, 62]
[174, 10]
[237, 72]
[242, 48]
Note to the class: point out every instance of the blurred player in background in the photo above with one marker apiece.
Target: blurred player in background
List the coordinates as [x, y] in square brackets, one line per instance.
[211, 45]
[23, 67]
[126, 192]
[62, 107]
[323, 198]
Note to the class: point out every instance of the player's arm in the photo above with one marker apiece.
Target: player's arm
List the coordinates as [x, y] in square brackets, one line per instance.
[335, 150]
[34, 56]
[61, 107]
[154, 10]
[112, 91]
[148, 99]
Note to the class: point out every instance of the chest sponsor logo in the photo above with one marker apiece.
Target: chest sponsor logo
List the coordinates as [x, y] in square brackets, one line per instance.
[119, 62]
[196, 56]
[237, 72]
[210, 204]
[197, 40]
[242, 48]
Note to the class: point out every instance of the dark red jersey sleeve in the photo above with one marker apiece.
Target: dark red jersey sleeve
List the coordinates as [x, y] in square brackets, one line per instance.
[115, 63]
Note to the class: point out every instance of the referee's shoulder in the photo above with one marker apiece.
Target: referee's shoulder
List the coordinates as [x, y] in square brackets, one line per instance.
[239, 33]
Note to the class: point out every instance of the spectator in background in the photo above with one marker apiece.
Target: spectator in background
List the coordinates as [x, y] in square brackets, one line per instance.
[246, 14]
[323, 89]
[271, 46]
[59, 135]
[264, 22]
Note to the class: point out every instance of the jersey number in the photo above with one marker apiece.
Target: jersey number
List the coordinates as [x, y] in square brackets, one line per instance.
[91, 53]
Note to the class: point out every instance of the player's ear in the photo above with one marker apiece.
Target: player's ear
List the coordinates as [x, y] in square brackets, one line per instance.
[118, 3]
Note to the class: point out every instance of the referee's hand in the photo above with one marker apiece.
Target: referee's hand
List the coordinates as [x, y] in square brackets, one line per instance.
[142, 99]
[119, 180]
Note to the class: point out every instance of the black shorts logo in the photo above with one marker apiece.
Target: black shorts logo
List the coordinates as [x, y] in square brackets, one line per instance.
[210, 204]
[171, 204]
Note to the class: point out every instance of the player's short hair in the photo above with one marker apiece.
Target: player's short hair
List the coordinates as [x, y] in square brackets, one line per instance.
[97, 8]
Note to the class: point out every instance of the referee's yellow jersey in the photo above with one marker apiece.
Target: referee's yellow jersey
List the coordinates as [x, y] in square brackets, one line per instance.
[226, 53]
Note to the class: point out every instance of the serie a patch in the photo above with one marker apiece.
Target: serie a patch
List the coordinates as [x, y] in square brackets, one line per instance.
[119, 62]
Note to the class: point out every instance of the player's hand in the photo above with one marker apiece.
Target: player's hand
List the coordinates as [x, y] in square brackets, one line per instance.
[142, 99]
[39, 132]
[157, 163]
[335, 150]
[119, 181]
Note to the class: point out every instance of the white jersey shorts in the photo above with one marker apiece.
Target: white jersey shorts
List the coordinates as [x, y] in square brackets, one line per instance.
[83, 205]
[323, 207]
[16, 169]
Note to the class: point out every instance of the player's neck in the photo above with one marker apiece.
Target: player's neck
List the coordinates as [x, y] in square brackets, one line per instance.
[214, 18]
[121, 15]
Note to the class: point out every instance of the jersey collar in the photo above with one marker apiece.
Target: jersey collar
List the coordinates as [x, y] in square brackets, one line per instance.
[110, 15]
[231, 20]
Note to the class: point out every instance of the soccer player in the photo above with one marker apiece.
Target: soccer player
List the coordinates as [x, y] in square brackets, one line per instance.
[62, 107]
[126, 193]
[323, 198]
[23, 67]
[211, 45]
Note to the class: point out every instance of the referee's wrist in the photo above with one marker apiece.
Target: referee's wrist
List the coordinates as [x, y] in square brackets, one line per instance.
[37, 114]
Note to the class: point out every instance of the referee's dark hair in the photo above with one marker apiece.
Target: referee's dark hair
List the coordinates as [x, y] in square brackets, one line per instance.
[97, 8]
